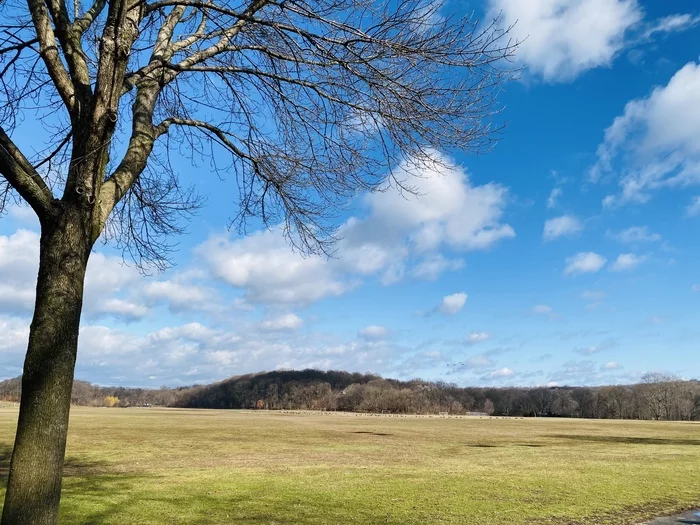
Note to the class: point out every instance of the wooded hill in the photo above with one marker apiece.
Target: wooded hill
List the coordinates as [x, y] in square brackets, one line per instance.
[656, 397]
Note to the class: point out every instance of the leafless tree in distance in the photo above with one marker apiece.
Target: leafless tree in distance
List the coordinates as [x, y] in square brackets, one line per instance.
[310, 101]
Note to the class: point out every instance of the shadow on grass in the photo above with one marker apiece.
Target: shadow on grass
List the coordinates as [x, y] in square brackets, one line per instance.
[80, 477]
[371, 433]
[629, 440]
[71, 467]
[95, 493]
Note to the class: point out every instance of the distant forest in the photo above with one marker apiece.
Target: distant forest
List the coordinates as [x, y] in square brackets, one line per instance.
[658, 396]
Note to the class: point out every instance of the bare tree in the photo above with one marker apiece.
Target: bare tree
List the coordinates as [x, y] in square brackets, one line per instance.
[310, 102]
[661, 394]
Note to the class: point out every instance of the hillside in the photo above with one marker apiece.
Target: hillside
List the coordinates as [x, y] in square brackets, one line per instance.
[659, 397]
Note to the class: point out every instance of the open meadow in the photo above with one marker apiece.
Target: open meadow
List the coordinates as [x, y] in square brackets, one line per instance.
[168, 466]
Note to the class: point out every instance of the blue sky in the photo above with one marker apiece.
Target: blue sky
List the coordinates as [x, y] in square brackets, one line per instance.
[566, 255]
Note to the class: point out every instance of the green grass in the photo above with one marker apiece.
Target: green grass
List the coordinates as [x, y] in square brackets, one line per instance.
[131, 466]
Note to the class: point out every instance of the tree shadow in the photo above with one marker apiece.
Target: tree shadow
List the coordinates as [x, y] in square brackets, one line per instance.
[95, 493]
[71, 467]
[629, 440]
[79, 478]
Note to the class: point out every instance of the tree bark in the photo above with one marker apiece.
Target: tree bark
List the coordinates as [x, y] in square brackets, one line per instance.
[34, 483]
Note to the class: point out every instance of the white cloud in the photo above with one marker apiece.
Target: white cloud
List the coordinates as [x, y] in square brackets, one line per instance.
[554, 197]
[269, 270]
[373, 333]
[672, 24]
[563, 38]
[451, 304]
[399, 236]
[584, 262]
[289, 321]
[15, 335]
[693, 209]
[19, 264]
[566, 225]
[635, 235]
[122, 308]
[447, 210]
[477, 337]
[181, 295]
[695, 288]
[500, 373]
[627, 261]
[433, 266]
[655, 143]
[542, 309]
[105, 277]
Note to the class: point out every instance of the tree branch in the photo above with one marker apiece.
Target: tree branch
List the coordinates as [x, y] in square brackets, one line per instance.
[81, 25]
[19, 172]
[50, 55]
[72, 49]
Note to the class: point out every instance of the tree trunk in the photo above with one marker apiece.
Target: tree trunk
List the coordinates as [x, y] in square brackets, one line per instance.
[34, 483]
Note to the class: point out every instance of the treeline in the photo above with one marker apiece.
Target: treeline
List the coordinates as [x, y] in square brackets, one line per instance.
[658, 396]
[87, 394]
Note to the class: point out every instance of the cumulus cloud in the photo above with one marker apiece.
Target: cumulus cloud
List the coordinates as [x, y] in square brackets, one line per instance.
[289, 321]
[181, 294]
[198, 353]
[399, 236]
[269, 271]
[566, 225]
[15, 334]
[627, 261]
[451, 304]
[106, 277]
[635, 235]
[373, 333]
[655, 143]
[121, 308]
[19, 264]
[563, 38]
[584, 262]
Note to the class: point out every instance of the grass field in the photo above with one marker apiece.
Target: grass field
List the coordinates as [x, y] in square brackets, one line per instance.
[130, 466]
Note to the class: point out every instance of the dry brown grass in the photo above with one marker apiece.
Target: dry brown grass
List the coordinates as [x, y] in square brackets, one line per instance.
[203, 466]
